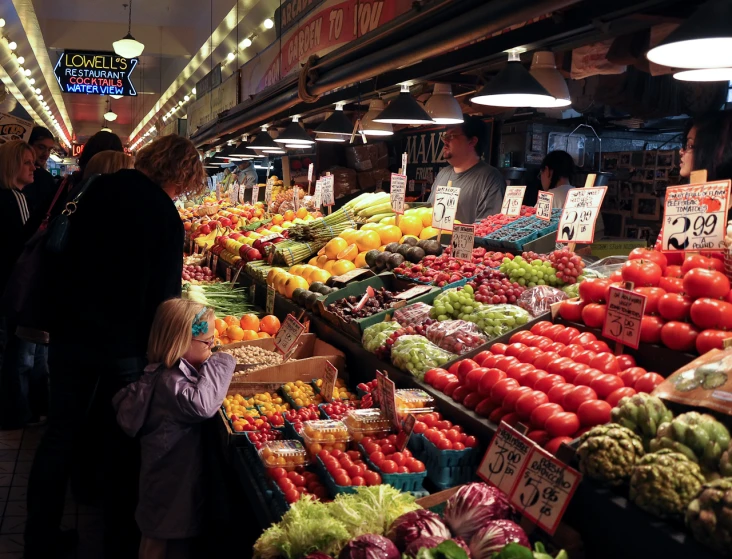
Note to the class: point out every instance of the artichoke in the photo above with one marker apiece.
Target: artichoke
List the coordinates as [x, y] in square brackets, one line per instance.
[709, 516]
[642, 414]
[663, 483]
[608, 453]
[725, 463]
[699, 437]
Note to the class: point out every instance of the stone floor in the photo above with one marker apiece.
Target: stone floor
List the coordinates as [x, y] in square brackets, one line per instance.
[17, 449]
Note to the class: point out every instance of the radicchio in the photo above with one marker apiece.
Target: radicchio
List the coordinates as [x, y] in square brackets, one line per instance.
[369, 546]
[415, 525]
[494, 536]
[472, 506]
[432, 541]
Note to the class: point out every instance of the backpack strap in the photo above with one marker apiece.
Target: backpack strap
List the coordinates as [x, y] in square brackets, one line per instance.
[72, 205]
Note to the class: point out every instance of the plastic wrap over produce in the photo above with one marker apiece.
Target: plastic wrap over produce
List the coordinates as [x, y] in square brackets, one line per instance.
[538, 300]
[456, 336]
[417, 355]
[375, 336]
[412, 314]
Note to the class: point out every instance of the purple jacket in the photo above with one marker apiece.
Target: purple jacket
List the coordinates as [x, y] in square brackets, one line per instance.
[165, 409]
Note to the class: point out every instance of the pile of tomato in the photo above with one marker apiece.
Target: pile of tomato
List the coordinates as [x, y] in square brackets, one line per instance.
[556, 379]
[348, 469]
[443, 433]
[383, 454]
[298, 482]
[688, 305]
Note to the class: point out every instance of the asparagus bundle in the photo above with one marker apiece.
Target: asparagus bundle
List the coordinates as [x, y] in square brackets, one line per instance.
[224, 298]
[323, 229]
[289, 253]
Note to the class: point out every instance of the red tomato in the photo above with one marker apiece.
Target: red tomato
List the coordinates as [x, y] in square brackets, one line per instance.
[480, 358]
[472, 400]
[593, 315]
[539, 327]
[586, 377]
[473, 378]
[711, 339]
[518, 370]
[504, 362]
[555, 367]
[553, 331]
[647, 254]
[498, 349]
[562, 424]
[485, 407]
[497, 415]
[277, 473]
[546, 383]
[605, 385]
[674, 306]
[501, 388]
[625, 361]
[511, 419]
[490, 378]
[570, 371]
[651, 329]
[559, 391]
[453, 370]
[542, 343]
[594, 412]
[355, 470]
[643, 273]
[529, 355]
[465, 366]
[528, 402]
[606, 362]
[450, 387]
[514, 349]
[542, 362]
[696, 261]
[619, 394]
[372, 478]
[673, 272]
[460, 393]
[648, 382]
[594, 290]
[585, 357]
[567, 336]
[440, 380]
[616, 276]
[415, 466]
[556, 347]
[679, 336]
[571, 351]
[586, 338]
[342, 479]
[532, 377]
[653, 296]
[509, 402]
[358, 481]
[429, 376]
[388, 467]
[518, 337]
[552, 447]
[631, 376]
[598, 346]
[539, 437]
[470, 442]
[672, 285]
[572, 310]
[543, 412]
[711, 313]
[579, 394]
[706, 283]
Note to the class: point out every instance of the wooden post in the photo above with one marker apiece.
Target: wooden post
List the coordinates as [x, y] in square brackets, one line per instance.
[286, 171]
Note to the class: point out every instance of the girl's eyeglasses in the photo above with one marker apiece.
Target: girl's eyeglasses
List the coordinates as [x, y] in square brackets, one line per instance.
[210, 342]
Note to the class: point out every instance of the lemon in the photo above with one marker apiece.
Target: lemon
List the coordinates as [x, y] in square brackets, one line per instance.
[334, 246]
[343, 266]
[429, 233]
[369, 241]
[389, 234]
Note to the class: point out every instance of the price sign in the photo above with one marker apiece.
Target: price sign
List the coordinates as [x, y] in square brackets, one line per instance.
[318, 194]
[234, 194]
[268, 192]
[544, 488]
[404, 163]
[445, 207]
[310, 171]
[327, 195]
[296, 198]
[348, 276]
[413, 292]
[269, 307]
[505, 458]
[544, 204]
[271, 237]
[329, 380]
[695, 217]
[289, 333]
[398, 191]
[255, 193]
[577, 224]
[387, 398]
[512, 200]
[406, 433]
[625, 310]
[463, 238]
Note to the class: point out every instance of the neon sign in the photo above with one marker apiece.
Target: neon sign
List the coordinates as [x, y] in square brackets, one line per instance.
[95, 73]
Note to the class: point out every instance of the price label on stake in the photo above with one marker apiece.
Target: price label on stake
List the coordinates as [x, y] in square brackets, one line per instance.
[234, 194]
[505, 458]
[329, 380]
[406, 433]
[289, 333]
[544, 204]
[445, 207]
[398, 191]
[310, 171]
[327, 195]
[463, 238]
[512, 200]
[544, 489]
[413, 292]
[318, 194]
[577, 224]
[255, 194]
[269, 307]
[625, 310]
[387, 398]
[404, 163]
[268, 192]
[296, 198]
[695, 217]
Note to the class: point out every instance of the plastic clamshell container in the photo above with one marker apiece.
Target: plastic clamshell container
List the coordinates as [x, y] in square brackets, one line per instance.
[413, 400]
[325, 434]
[283, 454]
[366, 423]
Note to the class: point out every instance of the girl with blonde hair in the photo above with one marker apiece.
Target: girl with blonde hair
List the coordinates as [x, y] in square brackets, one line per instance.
[108, 162]
[184, 385]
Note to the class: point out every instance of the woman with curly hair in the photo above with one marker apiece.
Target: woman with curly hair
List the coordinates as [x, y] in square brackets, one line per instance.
[100, 328]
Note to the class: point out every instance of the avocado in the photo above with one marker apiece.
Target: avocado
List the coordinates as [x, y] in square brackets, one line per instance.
[403, 249]
[395, 261]
[330, 281]
[432, 247]
[371, 256]
[324, 290]
[297, 295]
[415, 254]
[315, 286]
[411, 241]
[391, 247]
[381, 260]
[311, 300]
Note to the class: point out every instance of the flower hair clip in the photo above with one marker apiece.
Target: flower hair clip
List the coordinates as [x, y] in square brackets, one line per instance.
[200, 326]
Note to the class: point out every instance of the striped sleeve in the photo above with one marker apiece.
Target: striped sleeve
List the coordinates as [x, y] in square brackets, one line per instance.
[22, 205]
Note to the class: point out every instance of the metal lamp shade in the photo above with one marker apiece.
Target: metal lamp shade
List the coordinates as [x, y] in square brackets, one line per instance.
[294, 134]
[705, 75]
[702, 41]
[330, 138]
[263, 141]
[544, 70]
[404, 110]
[242, 151]
[224, 153]
[337, 123]
[514, 87]
[128, 47]
[371, 128]
[442, 107]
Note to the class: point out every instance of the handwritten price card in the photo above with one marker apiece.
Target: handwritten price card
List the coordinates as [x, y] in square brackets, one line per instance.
[296, 198]
[327, 193]
[255, 193]
[463, 238]
[234, 194]
[404, 163]
[311, 166]
[512, 200]
[268, 191]
[544, 204]
[445, 207]
[270, 300]
[577, 224]
[624, 314]
[398, 191]
[289, 333]
[387, 398]
[695, 217]
[318, 194]
[406, 433]
[329, 380]
[505, 458]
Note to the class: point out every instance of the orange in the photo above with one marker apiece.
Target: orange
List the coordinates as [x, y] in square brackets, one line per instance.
[426, 217]
[411, 225]
[231, 320]
[323, 275]
[313, 261]
[221, 326]
[249, 335]
[329, 266]
[334, 246]
[390, 234]
[291, 285]
[343, 266]
[368, 241]
[389, 220]
[235, 333]
[269, 324]
[289, 215]
[429, 232]
[263, 335]
[349, 253]
[277, 219]
[224, 340]
[360, 261]
[350, 235]
[370, 227]
[322, 259]
[249, 322]
[302, 212]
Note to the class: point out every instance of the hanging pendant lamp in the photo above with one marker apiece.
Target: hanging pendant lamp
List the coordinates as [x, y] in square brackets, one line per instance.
[225, 153]
[442, 107]
[242, 151]
[110, 115]
[337, 123]
[514, 87]
[372, 128]
[702, 41]
[404, 110]
[330, 138]
[294, 134]
[128, 46]
[544, 70]
[263, 141]
[705, 75]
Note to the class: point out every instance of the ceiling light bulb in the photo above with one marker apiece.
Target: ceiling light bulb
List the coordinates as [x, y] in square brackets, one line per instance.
[2, 22]
[110, 116]
[38, 90]
[230, 56]
[21, 60]
[246, 43]
[32, 81]
[193, 91]
[186, 98]
[21, 70]
[40, 96]
[12, 45]
[181, 103]
[27, 72]
[705, 75]
[116, 96]
[106, 129]
[268, 23]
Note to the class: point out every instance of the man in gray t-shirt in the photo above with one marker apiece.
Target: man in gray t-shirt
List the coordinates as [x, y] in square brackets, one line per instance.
[481, 186]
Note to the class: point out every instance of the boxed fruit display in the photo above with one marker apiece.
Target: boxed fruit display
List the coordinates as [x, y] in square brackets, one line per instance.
[283, 454]
[366, 423]
[414, 401]
[325, 434]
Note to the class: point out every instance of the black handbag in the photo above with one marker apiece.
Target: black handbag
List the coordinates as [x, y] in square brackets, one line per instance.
[58, 230]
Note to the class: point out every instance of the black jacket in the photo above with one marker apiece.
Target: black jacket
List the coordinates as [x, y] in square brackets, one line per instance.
[41, 191]
[15, 211]
[124, 258]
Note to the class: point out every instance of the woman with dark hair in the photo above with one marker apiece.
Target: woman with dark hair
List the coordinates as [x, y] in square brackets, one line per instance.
[556, 174]
[711, 145]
